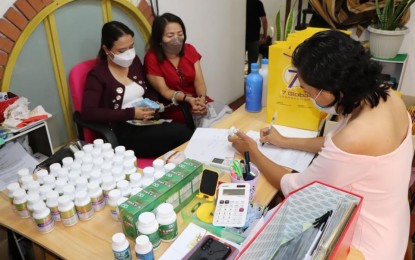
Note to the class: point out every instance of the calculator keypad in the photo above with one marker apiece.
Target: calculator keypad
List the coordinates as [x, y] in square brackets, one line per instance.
[230, 213]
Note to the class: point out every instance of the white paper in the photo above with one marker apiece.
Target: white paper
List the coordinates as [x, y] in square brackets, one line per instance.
[14, 157]
[293, 159]
[209, 143]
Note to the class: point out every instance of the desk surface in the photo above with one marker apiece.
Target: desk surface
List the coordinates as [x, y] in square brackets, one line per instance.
[92, 239]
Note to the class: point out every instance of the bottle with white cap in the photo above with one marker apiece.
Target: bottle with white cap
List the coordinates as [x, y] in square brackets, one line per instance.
[148, 172]
[83, 206]
[69, 191]
[67, 211]
[33, 187]
[96, 153]
[158, 165]
[49, 180]
[25, 180]
[53, 169]
[129, 168]
[52, 203]
[107, 185]
[167, 219]
[113, 197]
[67, 162]
[73, 176]
[62, 173]
[96, 195]
[95, 176]
[98, 143]
[130, 155]
[97, 162]
[86, 169]
[109, 156]
[43, 218]
[147, 225]
[59, 185]
[44, 190]
[40, 174]
[32, 199]
[119, 150]
[10, 189]
[82, 184]
[121, 247]
[117, 173]
[135, 180]
[87, 148]
[106, 168]
[20, 203]
[169, 166]
[124, 187]
[143, 248]
[118, 160]
[119, 202]
[106, 147]
[78, 156]
[22, 172]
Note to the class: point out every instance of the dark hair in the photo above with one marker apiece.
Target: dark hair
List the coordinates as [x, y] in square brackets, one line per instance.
[332, 61]
[110, 33]
[157, 31]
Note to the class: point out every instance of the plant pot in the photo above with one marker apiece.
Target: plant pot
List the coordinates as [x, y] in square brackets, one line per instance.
[385, 44]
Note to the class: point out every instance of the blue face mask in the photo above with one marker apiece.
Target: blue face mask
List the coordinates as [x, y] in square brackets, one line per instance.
[327, 109]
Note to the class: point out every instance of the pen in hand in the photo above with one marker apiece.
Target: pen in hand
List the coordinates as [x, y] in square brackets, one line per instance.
[274, 117]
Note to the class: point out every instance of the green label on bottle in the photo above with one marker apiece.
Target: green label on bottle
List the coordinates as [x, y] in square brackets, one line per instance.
[122, 255]
[168, 232]
[154, 239]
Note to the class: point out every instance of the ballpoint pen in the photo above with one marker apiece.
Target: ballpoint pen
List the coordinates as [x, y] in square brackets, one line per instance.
[274, 117]
[247, 163]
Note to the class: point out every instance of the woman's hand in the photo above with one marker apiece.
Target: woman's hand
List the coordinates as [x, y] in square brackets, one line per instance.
[199, 106]
[243, 143]
[143, 113]
[272, 136]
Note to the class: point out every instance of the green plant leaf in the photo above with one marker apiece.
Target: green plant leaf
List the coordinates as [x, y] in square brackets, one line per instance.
[289, 25]
[278, 27]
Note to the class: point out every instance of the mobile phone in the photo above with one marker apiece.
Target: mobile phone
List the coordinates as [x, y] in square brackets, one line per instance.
[209, 182]
[210, 249]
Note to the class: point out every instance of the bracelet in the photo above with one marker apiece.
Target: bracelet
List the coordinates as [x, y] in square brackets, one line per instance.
[185, 96]
[173, 99]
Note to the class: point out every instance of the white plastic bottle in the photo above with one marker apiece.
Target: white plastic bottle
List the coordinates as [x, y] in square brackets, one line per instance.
[67, 162]
[120, 150]
[107, 185]
[82, 183]
[49, 180]
[25, 180]
[95, 176]
[129, 168]
[83, 206]
[166, 217]
[52, 203]
[33, 187]
[43, 218]
[147, 225]
[158, 166]
[169, 166]
[106, 147]
[143, 248]
[22, 172]
[40, 174]
[124, 187]
[32, 199]
[10, 189]
[119, 202]
[96, 195]
[135, 180]
[44, 190]
[69, 190]
[117, 173]
[53, 169]
[98, 143]
[121, 247]
[20, 203]
[113, 197]
[263, 71]
[67, 211]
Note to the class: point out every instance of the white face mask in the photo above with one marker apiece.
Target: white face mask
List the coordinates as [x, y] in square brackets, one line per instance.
[124, 59]
[328, 109]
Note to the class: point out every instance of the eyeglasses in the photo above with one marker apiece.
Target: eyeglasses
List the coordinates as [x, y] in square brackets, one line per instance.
[179, 72]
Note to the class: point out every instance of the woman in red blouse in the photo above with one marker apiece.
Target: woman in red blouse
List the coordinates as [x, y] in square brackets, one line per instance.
[173, 67]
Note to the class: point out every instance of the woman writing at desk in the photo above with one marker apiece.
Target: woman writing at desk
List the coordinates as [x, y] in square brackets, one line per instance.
[114, 85]
[368, 153]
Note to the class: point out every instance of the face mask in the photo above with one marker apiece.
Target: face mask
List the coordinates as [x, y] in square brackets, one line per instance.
[124, 59]
[174, 46]
[328, 109]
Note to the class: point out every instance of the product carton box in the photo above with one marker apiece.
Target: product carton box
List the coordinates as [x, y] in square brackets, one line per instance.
[177, 187]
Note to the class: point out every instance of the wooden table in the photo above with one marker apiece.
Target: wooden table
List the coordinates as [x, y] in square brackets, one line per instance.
[92, 239]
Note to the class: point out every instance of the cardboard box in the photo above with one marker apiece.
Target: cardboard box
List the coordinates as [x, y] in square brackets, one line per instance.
[178, 187]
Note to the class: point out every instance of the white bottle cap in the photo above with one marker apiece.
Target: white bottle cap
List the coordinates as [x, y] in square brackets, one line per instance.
[120, 150]
[147, 218]
[62, 172]
[23, 172]
[170, 166]
[164, 210]
[106, 147]
[109, 155]
[44, 190]
[98, 161]
[76, 165]
[148, 172]
[114, 194]
[87, 160]
[134, 190]
[98, 142]
[143, 244]
[73, 176]
[12, 187]
[118, 239]
[78, 155]
[38, 207]
[135, 180]
[33, 187]
[87, 148]
[95, 176]
[49, 180]
[25, 180]
[33, 198]
[40, 174]
[60, 184]
[64, 201]
[81, 183]
[67, 161]
[54, 167]
[158, 164]
[96, 153]
[124, 187]
[107, 182]
[81, 196]
[52, 195]
[93, 187]
[19, 194]
[69, 190]
[117, 160]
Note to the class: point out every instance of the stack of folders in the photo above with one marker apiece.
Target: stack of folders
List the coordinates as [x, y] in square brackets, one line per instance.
[314, 222]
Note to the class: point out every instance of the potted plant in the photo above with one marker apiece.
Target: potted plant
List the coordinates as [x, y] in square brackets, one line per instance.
[388, 31]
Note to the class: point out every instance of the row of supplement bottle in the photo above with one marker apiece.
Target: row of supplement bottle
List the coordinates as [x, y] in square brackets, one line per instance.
[121, 247]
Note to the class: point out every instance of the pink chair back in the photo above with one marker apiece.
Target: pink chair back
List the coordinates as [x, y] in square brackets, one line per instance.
[77, 78]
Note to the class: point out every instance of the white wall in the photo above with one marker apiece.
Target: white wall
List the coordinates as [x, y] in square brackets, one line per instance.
[217, 29]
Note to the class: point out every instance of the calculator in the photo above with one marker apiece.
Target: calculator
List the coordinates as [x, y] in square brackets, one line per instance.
[231, 205]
